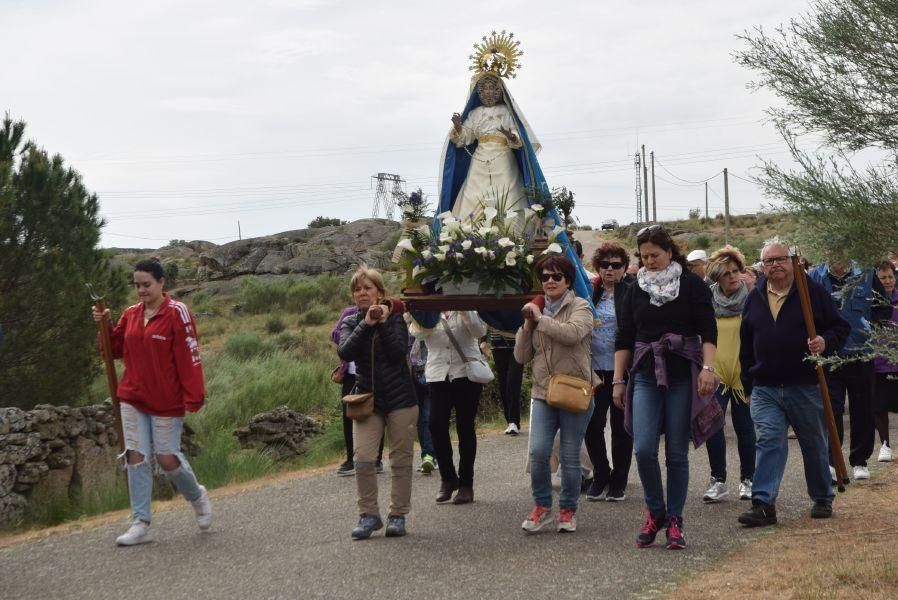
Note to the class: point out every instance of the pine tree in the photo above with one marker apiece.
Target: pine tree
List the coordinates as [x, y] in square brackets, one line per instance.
[49, 231]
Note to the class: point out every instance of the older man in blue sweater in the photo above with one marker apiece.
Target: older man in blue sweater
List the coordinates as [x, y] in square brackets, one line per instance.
[783, 385]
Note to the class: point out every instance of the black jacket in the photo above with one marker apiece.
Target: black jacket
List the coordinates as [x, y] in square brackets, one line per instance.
[393, 386]
[772, 353]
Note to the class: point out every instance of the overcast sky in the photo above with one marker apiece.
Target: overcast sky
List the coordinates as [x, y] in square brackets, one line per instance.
[187, 117]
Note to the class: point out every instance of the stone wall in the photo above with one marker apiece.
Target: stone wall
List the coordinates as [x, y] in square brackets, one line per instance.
[56, 450]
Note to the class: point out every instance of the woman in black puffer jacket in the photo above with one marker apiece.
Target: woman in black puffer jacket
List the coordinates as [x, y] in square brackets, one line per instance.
[376, 340]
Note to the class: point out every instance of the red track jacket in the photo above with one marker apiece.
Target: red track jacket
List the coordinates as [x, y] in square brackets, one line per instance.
[163, 371]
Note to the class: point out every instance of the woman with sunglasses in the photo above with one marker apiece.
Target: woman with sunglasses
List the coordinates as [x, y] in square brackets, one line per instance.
[558, 325]
[667, 338]
[610, 262]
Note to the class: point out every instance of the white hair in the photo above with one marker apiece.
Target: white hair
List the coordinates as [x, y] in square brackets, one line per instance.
[776, 241]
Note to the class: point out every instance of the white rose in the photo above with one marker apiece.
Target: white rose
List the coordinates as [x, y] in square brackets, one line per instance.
[529, 259]
[510, 259]
[467, 228]
[426, 254]
[444, 248]
[485, 231]
[467, 244]
[440, 256]
[480, 250]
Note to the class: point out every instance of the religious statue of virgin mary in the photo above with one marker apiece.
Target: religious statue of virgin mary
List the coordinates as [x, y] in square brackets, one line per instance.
[489, 158]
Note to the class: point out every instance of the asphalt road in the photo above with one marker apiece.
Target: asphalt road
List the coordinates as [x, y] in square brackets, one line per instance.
[291, 540]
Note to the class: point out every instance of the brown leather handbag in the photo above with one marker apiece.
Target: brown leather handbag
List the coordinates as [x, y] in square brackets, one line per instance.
[566, 391]
[360, 406]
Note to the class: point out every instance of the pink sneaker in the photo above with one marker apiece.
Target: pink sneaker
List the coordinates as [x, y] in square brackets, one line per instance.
[566, 521]
[675, 539]
[539, 516]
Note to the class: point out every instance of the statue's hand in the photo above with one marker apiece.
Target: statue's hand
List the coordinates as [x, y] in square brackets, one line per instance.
[509, 134]
[456, 121]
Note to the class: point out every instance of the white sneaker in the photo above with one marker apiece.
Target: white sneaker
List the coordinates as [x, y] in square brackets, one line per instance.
[885, 453]
[745, 489]
[512, 429]
[539, 518]
[203, 510]
[861, 473]
[717, 491]
[138, 533]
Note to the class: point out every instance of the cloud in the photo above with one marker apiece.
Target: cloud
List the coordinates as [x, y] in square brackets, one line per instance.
[206, 104]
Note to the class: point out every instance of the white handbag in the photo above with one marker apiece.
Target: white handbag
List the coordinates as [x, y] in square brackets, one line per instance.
[476, 369]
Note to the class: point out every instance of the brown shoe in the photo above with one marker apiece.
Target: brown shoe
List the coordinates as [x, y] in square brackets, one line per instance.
[446, 489]
[465, 495]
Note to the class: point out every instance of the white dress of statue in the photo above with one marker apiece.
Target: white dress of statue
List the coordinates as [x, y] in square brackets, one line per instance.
[493, 177]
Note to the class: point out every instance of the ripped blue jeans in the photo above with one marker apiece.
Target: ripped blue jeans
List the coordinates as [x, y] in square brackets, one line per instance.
[147, 434]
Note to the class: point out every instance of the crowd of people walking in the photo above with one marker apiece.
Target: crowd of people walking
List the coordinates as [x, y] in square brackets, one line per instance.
[672, 346]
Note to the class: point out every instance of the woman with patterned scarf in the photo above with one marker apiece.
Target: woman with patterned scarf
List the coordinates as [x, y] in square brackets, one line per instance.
[729, 293]
[667, 337]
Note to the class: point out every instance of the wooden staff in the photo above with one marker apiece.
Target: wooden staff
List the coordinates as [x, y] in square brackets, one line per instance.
[111, 377]
[801, 285]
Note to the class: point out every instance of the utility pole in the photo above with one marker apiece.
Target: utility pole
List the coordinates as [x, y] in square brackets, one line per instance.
[645, 183]
[706, 199]
[638, 163]
[654, 204]
[726, 205]
[239, 234]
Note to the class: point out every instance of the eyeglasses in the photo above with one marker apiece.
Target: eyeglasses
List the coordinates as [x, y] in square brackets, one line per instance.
[650, 228]
[544, 277]
[775, 260]
[604, 264]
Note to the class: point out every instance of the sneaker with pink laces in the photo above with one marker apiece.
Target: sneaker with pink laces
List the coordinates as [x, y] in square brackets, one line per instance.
[650, 530]
[566, 521]
[539, 517]
[675, 539]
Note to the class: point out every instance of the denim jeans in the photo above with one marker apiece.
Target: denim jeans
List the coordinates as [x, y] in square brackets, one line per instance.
[147, 434]
[657, 411]
[740, 414]
[773, 409]
[544, 422]
[424, 437]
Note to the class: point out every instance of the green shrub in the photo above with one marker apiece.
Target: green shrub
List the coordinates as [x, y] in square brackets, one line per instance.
[198, 302]
[301, 295]
[317, 315]
[275, 324]
[263, 296]
[702, 241]
[288, 341]
[245, 345]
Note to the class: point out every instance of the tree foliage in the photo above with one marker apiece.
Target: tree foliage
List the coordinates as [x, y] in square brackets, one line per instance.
[326, 222]
[563, 200]
[49, 230]
[836, 68]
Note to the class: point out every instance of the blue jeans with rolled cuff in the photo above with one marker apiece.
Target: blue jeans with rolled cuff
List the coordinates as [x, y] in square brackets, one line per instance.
[544, 422]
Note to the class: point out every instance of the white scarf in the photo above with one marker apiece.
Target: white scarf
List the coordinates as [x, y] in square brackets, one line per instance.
[661, 286]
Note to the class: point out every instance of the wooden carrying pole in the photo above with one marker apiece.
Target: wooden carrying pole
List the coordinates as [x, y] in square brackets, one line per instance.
[801, 285]
[111, 377]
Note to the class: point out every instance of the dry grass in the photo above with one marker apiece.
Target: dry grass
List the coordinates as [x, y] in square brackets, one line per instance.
[851, 555]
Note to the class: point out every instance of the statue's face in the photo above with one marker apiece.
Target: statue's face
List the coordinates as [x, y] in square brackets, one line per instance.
[489, 91]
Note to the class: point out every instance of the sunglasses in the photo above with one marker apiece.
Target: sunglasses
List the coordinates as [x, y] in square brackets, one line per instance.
[650, 228]
[604, 264]
[544, 277]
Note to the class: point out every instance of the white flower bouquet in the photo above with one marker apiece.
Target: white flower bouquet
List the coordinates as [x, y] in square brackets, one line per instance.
[485, 249]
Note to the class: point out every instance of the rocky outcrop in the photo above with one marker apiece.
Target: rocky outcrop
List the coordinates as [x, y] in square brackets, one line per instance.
[333, 249]
[281, 433]
[57, 451]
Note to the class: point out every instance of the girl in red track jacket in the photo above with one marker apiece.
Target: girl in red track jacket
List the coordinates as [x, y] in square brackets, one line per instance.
[163, 379]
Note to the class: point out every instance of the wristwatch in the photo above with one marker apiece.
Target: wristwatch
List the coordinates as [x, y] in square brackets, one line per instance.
[708, 368]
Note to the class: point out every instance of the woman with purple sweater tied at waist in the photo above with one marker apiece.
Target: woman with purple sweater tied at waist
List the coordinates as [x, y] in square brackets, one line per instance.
[667, 337]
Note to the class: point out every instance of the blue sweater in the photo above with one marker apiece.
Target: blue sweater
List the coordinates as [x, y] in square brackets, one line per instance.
[773, 353]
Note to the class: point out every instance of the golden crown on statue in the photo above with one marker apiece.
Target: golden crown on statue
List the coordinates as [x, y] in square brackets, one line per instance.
[497, 55]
